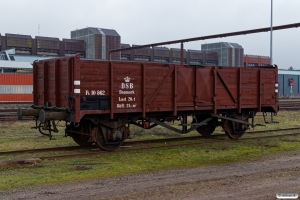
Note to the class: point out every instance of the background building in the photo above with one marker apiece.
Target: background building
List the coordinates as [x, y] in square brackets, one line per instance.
[99, 42]
[169, 55]
[229, 54]
[289, 83]
[95, 43]
[16, 88]
[18, 52]
[254, 60]
[42, 46]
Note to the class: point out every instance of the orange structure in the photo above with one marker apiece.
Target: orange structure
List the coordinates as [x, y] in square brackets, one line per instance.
[16, 88]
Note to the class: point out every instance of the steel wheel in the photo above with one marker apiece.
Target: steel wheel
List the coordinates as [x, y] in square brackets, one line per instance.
[80, 139]
[107, 139]
[233, 130]
[206, 130]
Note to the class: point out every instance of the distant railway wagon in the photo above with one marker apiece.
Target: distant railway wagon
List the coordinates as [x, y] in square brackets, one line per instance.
[99, 100]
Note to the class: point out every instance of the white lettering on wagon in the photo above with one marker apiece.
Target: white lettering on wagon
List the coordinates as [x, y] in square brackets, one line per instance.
[126, 105]
[126, 92]
[94, 92]
[126, 88]
[127, 85]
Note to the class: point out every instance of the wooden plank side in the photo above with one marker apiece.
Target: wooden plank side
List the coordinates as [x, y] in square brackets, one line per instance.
[62, 83]
[159, 87]
[185, 86]
[204, 84]
[268, 88]
[249, 87]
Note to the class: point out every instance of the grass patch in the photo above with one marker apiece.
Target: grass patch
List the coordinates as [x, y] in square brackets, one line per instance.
[19, 136]
[109, 165]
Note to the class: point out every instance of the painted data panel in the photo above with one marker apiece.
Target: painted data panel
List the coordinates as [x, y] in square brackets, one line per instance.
[127, 87]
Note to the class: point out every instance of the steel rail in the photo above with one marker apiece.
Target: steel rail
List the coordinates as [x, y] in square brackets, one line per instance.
[127, 143]
[12, 162]
[163, 147]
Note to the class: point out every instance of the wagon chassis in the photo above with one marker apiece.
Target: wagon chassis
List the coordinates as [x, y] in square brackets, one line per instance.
[211, 120]
[100, 130]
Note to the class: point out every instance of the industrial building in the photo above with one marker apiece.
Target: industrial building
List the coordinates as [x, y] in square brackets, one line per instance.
[95, 43]
[16, 87]
[19, 51]
[42, 46]
[169, 55]
[289, 83]
[255, 60]
[99, 42]
[229, 54]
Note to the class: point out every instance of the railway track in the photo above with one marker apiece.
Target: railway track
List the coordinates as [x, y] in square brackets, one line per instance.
[142, 144]
[289, 104]
[11, 115]
[163, 147]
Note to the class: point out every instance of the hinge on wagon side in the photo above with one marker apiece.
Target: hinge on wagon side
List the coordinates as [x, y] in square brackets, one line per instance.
[70, 100]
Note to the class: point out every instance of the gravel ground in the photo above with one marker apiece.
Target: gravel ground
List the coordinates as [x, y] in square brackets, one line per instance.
[257, 179]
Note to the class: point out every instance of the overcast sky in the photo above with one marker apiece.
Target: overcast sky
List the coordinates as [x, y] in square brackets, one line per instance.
[150, 21]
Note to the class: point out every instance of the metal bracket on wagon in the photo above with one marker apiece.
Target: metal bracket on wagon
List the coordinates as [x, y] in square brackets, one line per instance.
[196, 125]
[230, 119]
[271, 115]
[47, 121]
[193, 127]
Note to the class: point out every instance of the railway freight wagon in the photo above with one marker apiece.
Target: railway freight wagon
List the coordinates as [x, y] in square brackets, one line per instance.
[99, 100]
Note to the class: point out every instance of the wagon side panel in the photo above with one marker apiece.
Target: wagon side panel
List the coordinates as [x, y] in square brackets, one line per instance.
[204, 87]
[258, 88]
[94, 85]
[226, 87]
[269, 89]
[186, 88]
[159, 87]
[52, 82]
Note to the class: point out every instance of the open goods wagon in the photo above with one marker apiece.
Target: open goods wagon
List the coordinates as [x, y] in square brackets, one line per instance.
[98, 100]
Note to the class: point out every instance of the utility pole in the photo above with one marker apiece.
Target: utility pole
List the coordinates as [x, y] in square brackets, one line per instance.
[271, 35]
[39, 30]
